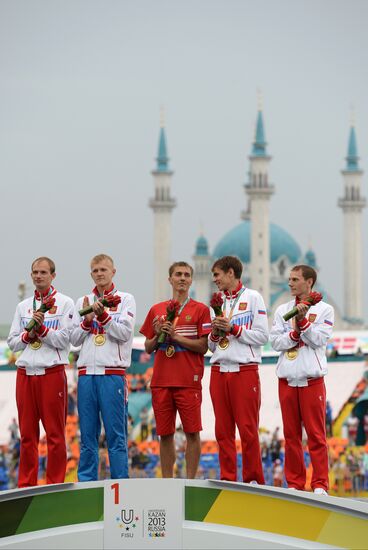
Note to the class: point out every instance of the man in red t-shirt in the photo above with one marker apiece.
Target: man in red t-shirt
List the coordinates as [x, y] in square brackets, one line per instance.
[178, 368]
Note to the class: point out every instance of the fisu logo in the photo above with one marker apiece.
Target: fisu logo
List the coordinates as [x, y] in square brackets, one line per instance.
[127, 516]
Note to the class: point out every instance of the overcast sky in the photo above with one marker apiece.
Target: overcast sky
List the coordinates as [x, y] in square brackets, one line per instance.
[81, 85]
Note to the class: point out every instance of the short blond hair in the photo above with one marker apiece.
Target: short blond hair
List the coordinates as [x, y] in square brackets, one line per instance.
[100, 258]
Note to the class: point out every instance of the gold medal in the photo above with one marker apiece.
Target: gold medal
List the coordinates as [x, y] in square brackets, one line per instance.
[224, 343]
[36, 344]
[99, 339]
[292, 354]
[170, 350]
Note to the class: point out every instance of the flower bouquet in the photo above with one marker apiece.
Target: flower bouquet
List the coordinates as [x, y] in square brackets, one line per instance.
[312, 299]
[111, 300]
[216, 304]
[46, 305]
[171, 312]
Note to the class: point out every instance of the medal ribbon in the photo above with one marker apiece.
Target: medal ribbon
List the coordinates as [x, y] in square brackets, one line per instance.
[97, 297]
[42, 298]
[232, 303]
[179, 312]
[175, 323]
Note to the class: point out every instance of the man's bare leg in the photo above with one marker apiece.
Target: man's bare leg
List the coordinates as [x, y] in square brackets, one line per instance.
[192, 454]
[167, 455]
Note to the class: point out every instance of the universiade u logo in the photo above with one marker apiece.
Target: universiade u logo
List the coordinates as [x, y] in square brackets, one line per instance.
[127, 516]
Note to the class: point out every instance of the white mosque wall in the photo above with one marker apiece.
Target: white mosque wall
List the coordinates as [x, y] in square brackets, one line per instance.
[353, 294]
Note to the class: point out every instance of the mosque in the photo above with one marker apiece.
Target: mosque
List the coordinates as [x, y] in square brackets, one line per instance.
[266, 250]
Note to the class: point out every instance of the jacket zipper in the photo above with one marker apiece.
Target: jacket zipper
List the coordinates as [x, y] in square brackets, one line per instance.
[251, 349]
[119, 352]
[320, 368]
[57, 351]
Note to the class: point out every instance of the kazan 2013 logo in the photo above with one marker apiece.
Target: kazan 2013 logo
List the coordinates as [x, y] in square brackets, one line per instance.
[156, 524]
[128, 522]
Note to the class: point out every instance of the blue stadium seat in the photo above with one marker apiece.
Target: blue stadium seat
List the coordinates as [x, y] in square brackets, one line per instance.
[137, 401]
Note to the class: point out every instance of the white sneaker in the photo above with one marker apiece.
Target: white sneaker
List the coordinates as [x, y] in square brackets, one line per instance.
[320, 491]
[254, 482]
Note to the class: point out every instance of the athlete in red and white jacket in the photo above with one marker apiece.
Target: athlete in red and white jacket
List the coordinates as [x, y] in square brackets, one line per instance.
[249, 331]
[117, 324]
[41, 389]
[234, 386]
[301, 368]
[53, 335]
[309, 342]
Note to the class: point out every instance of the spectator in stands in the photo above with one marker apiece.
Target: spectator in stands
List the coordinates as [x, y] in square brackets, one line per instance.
[328, 419]
[352, 424]
[365, 426]
[139, 460]
[105, 337]
[301, 368]
[339, 472]
[14, 430]
[41, 389]
[142, 385]
[278, 473]
[365, 470]
[2, 458]
[130, 426]
[180, 439]
[154, 436]
[144, 418]
[275, 447]
[178, 368]
[236, 341]
[133, 383]
[72, 400]
[265, 452]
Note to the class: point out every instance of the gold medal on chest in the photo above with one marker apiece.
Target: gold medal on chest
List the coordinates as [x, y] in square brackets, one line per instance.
[224, 343]
[170, 350]
[99, 339]
[36, 344]
[292, 354]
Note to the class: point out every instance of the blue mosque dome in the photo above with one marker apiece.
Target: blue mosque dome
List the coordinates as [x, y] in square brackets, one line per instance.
[237, 243]
[202, 246]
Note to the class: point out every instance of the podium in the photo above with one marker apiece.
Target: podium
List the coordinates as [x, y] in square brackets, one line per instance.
[178, 514]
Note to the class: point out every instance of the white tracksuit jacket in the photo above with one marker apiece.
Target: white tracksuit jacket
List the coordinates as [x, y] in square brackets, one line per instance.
[246, 347]
[119, 331]
[316, 330]
[55, 336]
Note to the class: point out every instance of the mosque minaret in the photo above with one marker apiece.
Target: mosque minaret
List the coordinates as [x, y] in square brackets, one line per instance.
[202, 270]
[162, 205]
[259, 191]
[352, 204]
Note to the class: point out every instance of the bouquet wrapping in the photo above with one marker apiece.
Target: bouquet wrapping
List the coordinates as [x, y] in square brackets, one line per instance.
[312, 299]
[171, 312]
[46, 305]
[111, 300]
[216, 304]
